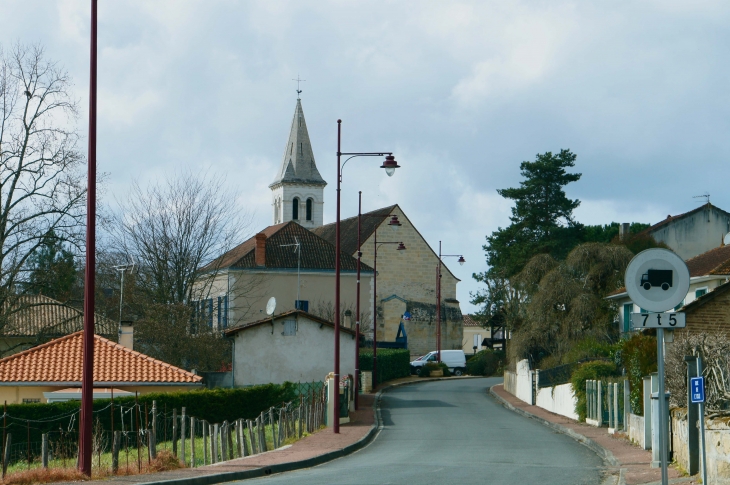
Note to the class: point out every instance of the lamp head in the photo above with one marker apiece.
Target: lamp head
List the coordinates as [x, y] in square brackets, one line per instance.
[390, 165]
[462, 260]
[401, 246]
[394, 223]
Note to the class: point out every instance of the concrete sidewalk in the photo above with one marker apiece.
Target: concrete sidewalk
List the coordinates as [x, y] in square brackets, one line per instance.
[630, 461]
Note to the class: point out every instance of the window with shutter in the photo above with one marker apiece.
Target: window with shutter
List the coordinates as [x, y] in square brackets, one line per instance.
[290, 328]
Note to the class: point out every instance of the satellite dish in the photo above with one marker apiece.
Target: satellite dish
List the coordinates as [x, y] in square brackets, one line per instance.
[271, 306]
[726, 239]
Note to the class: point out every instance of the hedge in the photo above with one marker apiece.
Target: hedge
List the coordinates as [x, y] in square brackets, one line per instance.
[597, 370]
[212, 405]
[485, 363]
[392, 363]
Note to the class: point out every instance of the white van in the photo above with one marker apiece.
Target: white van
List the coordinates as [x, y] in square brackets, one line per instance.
[454, 359]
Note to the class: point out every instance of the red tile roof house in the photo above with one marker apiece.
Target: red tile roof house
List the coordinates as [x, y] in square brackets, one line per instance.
[707, 271]
[56, 366]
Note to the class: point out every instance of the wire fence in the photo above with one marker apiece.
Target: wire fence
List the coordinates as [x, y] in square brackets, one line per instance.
[129, 436]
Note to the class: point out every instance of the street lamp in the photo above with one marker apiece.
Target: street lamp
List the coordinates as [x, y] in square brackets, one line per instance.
[438, 294]
[389, 165]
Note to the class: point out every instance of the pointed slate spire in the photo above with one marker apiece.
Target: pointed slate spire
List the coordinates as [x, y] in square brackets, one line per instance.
[297, 165]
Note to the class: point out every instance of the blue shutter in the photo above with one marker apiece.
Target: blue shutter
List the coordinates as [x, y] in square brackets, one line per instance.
[225, 311]
[220, 311]
[627, 316]
[210, 312]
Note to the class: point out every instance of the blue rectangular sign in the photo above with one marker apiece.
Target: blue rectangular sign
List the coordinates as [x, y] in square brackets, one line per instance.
[697, 389]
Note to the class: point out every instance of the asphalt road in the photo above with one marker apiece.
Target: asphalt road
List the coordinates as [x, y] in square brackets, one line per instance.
[453, 432]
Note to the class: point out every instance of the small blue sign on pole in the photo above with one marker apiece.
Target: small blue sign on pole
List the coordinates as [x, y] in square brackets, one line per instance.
[697, 386]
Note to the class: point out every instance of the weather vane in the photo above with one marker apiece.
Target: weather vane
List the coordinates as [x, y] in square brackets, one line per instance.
[299, 91]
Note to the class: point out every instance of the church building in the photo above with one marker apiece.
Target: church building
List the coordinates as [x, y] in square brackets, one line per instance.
[406, 279]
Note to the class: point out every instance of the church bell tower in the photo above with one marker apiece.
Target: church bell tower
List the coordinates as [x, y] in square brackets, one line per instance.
[298, 189]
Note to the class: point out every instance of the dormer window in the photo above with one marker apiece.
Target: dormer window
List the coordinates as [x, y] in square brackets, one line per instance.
[295, 209]
[309, 209]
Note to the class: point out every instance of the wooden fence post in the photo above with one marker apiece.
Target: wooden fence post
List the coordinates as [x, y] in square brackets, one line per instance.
[224, 441]
[174, 432]
[249, 427]
[151, 444]
[183, 425]
[214, 444]
[44, 449]
[192, 442]
[205, 442]
[154, 418]
[301, 431]
[229, 437]
[6, 457]
[116, 445]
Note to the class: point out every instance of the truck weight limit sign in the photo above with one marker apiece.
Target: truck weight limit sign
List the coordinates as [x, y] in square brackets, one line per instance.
[657, 280]
[658, 320]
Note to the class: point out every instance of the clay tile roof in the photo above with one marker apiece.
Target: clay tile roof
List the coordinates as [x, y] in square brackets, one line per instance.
[348, 229]
[470, 322]
[317, 253]
[60, 360]
[33, 315]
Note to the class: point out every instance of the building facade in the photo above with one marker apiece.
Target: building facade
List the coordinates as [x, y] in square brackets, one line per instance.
[694, 232]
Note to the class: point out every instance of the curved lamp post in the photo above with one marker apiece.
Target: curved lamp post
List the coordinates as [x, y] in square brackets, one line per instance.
[438, 295]
[389, 164]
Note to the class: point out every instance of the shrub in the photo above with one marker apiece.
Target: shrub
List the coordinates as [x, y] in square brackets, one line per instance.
[638, 356]
[485, 363]
[590, 370]
[431, 366]
[392, 363]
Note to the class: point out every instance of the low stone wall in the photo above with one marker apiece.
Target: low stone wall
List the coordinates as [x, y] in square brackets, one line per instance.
[510, 382]
[717, 442]
[636, 430]
[559, 400]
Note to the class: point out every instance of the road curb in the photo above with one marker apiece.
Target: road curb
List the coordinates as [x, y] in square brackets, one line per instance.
[309, 462]
[605, 454]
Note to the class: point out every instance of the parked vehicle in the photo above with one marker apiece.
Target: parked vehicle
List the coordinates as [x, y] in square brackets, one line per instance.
[455, 360]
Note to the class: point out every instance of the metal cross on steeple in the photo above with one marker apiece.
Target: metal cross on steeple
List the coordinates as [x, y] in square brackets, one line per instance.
[299, 91]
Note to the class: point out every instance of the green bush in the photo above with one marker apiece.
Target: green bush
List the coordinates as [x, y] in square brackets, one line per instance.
[392, 363]
[638, 356]
[431, 366]
[212, 405]
[486, 363]
[597, 370]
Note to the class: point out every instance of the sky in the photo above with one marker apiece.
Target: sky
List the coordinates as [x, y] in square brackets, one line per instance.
[462, 92]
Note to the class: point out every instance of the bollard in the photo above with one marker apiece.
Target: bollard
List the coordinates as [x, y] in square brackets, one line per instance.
[44, 450]
[116, 445]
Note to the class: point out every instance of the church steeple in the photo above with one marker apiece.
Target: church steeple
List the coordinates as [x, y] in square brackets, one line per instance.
[298, 187]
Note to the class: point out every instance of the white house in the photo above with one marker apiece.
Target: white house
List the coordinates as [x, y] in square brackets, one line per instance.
[707, 271]
[292, 346]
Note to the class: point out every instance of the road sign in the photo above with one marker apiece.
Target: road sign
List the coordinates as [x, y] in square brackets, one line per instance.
[657, 280]
[407, 316]
[697, 384]
[658, 320]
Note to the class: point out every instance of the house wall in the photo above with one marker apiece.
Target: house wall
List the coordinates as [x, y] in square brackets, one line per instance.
[16, 394]
[468, 338]
[712, 316]
[250, 291]
[696, 233]
[411, 276]
[264, 355]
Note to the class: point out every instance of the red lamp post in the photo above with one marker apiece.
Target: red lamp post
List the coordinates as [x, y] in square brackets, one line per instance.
[389, 165]
[438, 295]
[87, 373]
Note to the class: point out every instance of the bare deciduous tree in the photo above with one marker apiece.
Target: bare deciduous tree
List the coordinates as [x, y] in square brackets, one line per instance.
[172, 229]
[41, 186]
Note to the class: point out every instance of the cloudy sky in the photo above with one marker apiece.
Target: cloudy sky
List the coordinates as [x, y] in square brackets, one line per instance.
[461, 91]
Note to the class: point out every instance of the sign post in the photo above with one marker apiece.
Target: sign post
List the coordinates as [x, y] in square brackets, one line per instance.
[657, 280]
[697, 386]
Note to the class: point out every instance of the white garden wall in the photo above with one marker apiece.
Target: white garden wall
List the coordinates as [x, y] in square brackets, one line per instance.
[559, 400]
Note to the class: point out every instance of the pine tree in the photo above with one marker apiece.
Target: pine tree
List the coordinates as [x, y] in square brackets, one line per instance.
[52, 269]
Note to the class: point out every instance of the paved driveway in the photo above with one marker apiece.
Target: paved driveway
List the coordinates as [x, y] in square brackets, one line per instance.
[453, 432]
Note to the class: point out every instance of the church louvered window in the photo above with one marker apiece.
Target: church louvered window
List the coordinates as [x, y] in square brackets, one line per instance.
[309, 209]
[295, 209]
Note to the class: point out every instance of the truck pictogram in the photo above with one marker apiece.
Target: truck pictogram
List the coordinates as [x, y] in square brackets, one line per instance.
[657, 277]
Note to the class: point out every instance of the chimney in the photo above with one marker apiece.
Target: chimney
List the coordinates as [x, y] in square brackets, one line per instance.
[126, 335]
[623, 231]
[260, 251]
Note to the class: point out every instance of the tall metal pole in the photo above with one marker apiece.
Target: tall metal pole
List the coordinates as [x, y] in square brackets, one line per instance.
[663, 419]
[121, 302]
[375, 309]
[702, 426]
[87, 378]
[357, 304]
[336, 407]
[438, 305]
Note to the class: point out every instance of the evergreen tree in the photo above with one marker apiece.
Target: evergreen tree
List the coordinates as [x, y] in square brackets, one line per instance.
[52, 269]
[542, 218]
